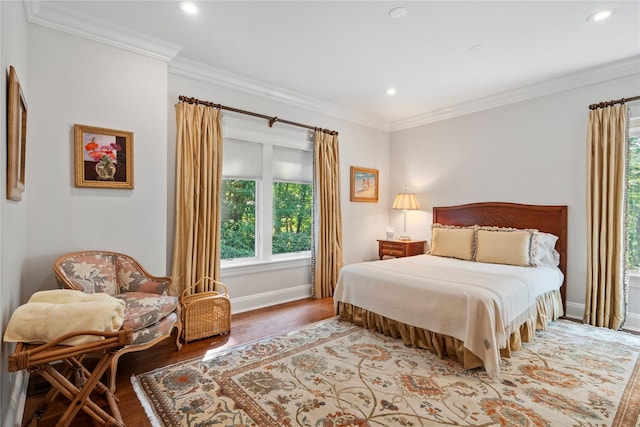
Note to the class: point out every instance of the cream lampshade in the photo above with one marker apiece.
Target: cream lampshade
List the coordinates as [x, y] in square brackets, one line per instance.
[406, 202]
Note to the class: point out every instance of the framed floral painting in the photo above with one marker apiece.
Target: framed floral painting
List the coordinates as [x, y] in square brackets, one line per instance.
[103, 157]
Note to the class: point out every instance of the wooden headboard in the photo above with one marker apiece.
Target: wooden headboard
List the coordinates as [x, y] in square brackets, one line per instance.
[550, 219]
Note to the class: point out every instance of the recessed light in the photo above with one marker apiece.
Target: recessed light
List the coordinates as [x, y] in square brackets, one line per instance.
[601, 15]
[391, 91]
[397, 12]
[477, 48]
[188, 7]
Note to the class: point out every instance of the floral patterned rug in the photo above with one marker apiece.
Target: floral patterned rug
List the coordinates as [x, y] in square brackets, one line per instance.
[333, 373]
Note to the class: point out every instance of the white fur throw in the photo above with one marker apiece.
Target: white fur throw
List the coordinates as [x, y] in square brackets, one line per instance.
[50, 314]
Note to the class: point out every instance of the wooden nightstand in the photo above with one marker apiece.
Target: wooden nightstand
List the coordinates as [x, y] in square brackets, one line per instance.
[399, 248]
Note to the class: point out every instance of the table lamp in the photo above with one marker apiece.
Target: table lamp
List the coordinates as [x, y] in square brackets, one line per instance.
[405, 201]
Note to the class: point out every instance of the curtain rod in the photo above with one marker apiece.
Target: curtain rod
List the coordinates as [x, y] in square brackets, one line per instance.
[272, 120]
[611, 103]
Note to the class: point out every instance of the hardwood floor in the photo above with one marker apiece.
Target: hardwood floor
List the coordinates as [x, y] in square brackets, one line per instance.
[245, 327]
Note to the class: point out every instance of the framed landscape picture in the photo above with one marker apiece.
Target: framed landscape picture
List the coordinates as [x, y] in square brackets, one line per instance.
[103, 157]
[16, 137]
[364, 184]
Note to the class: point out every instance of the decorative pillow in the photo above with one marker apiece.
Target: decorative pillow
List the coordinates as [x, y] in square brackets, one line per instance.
[504, 247]
[130, 279]
[452, 242]
[95, 268]
[545, 249]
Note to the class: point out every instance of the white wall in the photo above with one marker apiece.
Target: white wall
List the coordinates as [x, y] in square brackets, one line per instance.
[69, 80]
[74, 80]
[79, 81]
[13, 45]
[529, 152]
[363, 223]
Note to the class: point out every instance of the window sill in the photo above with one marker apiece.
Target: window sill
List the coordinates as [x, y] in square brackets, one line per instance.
[634, 279]
[239, 268]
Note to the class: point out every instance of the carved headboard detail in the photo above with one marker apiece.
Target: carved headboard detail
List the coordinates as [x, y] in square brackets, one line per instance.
[550, 219]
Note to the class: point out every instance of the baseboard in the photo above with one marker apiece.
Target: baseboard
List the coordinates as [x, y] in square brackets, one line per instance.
[19, 383]
[633, 322]
[267, 299]
[576, 311]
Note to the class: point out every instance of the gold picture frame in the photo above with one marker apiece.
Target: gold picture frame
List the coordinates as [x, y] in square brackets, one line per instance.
[16, 137]
[103, 157]
[364, 184]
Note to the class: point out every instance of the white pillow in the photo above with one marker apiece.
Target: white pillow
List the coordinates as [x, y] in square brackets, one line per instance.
[545, 249]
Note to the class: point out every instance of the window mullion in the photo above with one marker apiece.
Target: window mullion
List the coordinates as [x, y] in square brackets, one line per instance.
[266, 205]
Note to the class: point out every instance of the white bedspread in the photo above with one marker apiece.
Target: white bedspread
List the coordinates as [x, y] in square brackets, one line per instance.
[480, 304]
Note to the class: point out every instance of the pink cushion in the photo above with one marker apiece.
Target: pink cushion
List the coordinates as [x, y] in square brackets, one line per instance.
[143, 309]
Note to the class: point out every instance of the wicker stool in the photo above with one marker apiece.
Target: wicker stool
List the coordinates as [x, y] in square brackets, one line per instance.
[206, 313]
[42, 357]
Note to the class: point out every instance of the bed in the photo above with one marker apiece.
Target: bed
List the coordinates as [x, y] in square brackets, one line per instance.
[474, 312]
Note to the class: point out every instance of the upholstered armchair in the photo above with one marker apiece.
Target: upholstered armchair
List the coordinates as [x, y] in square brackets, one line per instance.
[150, 312]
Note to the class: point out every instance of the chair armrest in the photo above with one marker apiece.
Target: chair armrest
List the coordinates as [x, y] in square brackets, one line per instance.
[133, 277]
[155, 285]
[67, 283]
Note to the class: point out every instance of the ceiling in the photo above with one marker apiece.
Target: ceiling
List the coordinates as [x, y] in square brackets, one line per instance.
[440, 55]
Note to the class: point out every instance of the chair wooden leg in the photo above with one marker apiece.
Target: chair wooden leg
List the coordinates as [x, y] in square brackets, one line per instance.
[178, 336]
[80, 398]
[112, 373]
[66, 372]
[41, 358]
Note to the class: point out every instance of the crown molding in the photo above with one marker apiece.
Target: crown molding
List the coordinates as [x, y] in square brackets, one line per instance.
[614, 70]
[219, 77]
[78, 24]
[66, 20]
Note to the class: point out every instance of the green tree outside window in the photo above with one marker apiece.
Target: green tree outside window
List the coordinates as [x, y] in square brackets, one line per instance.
[291, 217]
[238, 221]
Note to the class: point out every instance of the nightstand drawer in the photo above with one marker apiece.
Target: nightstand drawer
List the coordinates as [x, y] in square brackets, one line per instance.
[391, 246]
[391, 252]
[398, 248]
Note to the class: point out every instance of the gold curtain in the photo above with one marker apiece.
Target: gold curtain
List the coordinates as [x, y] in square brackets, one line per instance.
[606, 287]
[196, 248]
[327, 248]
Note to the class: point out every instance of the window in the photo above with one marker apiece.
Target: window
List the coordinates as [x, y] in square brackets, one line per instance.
[291, 218]
[238, 221]
[292, 177]
[633, 191]
[266, 201]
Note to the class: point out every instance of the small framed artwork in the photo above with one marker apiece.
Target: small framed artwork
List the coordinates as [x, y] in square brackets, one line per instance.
[103, 157]
[364, 185]
[16, 137]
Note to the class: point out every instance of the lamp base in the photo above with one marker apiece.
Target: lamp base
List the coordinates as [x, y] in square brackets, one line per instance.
[404, 238]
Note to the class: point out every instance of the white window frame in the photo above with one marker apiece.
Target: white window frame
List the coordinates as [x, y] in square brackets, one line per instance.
[634, 131]
[250, 130]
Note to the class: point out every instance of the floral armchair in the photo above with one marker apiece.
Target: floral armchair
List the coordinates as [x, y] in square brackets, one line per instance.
[150, 312]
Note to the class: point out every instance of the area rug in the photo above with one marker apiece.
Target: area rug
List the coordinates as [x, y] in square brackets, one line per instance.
[333, 373]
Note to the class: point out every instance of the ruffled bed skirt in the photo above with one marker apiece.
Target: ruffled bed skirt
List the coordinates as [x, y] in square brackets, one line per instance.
[549, 307]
